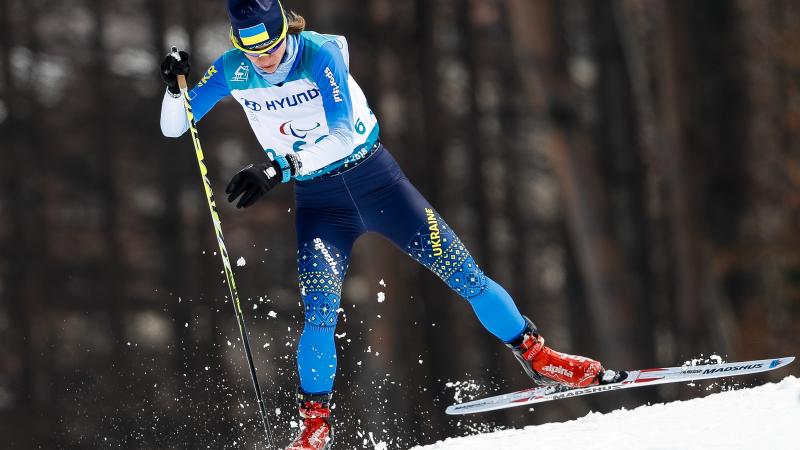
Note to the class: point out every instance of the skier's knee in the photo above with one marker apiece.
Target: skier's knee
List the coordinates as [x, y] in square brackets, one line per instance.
[321, 267]
[321, 309]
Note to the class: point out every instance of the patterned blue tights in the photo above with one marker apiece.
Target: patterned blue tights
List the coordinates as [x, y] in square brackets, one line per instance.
[375, 196]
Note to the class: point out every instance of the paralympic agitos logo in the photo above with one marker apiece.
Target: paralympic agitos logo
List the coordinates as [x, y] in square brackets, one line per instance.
[287, 128]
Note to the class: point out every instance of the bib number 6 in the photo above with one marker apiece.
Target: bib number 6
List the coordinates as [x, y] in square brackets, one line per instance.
[360, 127]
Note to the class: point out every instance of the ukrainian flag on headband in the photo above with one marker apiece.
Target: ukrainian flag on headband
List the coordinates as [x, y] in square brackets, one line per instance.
[254, 35]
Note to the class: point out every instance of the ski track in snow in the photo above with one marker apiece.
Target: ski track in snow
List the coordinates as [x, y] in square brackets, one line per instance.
[763, 417]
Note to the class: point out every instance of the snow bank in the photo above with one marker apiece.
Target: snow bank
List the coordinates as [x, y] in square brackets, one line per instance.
[764, 417]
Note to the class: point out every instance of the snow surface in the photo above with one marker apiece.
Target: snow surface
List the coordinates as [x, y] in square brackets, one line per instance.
[763, 417]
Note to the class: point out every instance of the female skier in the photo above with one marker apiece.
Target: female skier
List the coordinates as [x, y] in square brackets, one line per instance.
[314, 124]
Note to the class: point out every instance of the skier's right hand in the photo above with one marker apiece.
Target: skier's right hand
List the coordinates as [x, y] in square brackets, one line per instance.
[171, 68]
[255, 180]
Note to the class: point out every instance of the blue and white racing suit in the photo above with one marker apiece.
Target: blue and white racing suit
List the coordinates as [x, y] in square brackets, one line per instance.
[348, 184]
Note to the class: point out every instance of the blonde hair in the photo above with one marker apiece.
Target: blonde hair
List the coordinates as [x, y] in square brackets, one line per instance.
[295, 22]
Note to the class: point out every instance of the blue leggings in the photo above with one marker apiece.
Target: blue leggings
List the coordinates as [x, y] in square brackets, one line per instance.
[375, 195]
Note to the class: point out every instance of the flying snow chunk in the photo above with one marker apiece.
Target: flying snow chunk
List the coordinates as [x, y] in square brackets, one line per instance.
[241, 262]
[272, 314]
[377, 445]
[382, 283]
[381, 297]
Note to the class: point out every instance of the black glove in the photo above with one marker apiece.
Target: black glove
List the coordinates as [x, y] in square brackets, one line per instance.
[256, 180]
[171, 68]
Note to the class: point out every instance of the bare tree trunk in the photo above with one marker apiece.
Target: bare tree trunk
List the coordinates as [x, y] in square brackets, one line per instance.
[103, 132]
[481, 158]
[770, 36]
[105, 176]
[690, 268]
[470, 46]
[437, 303]
[523, 228]
[623, 171]
[573, 156]
[19, 197]
[638, 48]
[175, 165]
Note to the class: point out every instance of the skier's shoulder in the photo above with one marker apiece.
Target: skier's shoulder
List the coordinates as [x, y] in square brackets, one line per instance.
[231, 58]
[315, 41]
[237, 70]
[214, 74]
[318, 46]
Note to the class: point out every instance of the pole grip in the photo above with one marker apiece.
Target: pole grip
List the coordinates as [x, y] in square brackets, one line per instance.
[181, 79]
[182, 83]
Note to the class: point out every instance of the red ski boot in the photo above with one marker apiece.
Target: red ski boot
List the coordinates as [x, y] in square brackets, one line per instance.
[547, 366]
[316, 432]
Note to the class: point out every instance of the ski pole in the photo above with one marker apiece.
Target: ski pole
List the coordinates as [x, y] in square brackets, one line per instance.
[226, 262]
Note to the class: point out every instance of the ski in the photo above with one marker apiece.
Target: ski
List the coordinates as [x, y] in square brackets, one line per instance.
[632, 379]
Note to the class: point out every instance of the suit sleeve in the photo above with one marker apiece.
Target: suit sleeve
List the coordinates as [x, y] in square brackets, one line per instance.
[208, 91]
[330, 73]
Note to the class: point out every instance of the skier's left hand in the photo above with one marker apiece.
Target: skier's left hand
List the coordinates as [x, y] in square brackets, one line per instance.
[255, 180]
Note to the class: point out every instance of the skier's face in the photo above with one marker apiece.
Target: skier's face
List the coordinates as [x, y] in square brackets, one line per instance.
[268, 62]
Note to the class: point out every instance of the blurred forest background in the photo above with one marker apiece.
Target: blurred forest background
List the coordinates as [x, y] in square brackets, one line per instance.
[628, 169]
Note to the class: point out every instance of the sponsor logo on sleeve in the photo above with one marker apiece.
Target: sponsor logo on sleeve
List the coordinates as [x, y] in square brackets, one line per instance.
[337, 97]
